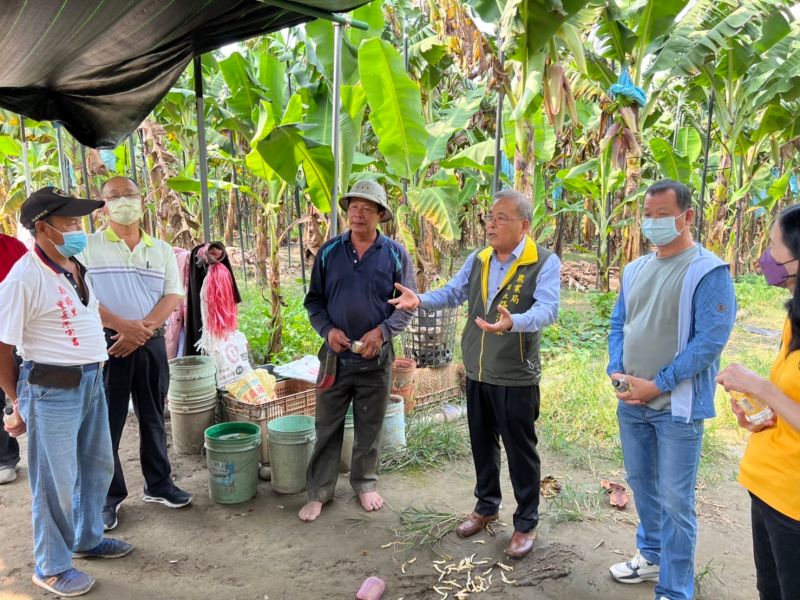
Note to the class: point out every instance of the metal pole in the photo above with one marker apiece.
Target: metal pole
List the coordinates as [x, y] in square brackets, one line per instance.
[61, 159]
[333, 230]
[297, 199]
[238, 207]
[86, 187]
[404, 182]
[132, 152]
[146, 182]
[300, 232]
[701, 206]
[338, 19]
[678, 118]
[201, 140]
[498, 135]
[288, 215]
[25, 155]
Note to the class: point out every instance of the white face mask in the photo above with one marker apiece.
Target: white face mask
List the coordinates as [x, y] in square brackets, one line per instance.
[662, 230]
[125, 210]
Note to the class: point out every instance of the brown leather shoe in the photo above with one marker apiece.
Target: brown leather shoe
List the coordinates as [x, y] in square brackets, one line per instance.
[473, 524]
[521, 544]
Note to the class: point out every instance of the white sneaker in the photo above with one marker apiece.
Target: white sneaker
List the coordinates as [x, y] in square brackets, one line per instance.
[7, 474]
[635, 570]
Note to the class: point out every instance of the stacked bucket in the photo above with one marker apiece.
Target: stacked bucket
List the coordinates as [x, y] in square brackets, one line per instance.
[192, 400]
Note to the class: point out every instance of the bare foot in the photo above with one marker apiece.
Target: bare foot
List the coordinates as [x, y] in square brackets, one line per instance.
[370, 501]
[310, 511]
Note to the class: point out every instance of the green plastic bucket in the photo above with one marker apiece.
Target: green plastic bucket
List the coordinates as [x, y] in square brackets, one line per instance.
[232, 458]
[394, 427]
[346, 455]
[291, 444]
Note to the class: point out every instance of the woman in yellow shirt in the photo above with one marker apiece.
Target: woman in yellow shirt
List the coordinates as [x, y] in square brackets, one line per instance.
[770, 469]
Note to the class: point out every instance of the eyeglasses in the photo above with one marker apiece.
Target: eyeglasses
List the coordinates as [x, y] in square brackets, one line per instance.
[369, 210]
[501, 220]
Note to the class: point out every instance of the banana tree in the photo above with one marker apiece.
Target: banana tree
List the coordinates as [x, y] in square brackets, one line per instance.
[749, 61]
[531, 74]
[597, 181]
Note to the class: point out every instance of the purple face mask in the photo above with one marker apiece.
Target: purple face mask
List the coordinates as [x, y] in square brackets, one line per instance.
[774, 272]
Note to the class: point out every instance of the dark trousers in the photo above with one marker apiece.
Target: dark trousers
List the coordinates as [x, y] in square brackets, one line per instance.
[369, 393]
[144, 376]
[776, 550]
[9, 447]
[494, 412]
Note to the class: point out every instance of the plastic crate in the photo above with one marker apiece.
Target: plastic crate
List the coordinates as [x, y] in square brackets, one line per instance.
[292, 397]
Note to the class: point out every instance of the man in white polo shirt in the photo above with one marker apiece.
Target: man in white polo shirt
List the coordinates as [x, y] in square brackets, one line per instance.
[137, 282]
[51, 314]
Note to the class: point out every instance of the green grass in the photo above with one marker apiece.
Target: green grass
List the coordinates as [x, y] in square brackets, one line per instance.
[578, 408]
[707, 581]
[573, 505]
[255, 313]
[429, 445]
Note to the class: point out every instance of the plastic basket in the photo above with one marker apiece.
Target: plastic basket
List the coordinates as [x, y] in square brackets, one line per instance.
[292, 397]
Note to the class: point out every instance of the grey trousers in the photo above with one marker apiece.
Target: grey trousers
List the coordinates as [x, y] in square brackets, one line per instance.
[368, 390]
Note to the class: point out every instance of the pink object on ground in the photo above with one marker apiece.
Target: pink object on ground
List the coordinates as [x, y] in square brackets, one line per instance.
[371, 589]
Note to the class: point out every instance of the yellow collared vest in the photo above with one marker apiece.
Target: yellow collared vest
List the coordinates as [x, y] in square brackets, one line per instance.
[507, 358]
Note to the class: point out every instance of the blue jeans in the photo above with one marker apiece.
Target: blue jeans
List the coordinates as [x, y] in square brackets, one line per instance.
[70, 465]
[661, 459]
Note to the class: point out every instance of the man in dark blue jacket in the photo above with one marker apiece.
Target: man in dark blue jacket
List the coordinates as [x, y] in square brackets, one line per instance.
[347, 302]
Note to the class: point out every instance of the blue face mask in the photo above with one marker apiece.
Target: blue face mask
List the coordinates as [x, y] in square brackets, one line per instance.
[660, 231]
[74, 242]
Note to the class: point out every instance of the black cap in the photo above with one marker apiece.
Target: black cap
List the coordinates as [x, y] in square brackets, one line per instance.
[53, 202]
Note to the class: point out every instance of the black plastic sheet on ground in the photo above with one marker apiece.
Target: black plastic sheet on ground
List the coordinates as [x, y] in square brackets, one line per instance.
[100, 66]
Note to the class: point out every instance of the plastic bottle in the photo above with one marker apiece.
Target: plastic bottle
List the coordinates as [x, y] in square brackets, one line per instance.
[371, 589]
[756, 411]
[621, 385]
[11, 418]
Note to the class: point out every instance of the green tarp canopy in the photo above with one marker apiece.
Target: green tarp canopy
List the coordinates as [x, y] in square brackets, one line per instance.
[100, 66]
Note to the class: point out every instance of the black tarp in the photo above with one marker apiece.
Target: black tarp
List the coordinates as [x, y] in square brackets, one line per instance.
[100, 66]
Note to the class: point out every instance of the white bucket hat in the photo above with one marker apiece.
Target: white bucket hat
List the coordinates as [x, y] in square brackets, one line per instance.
[368, 190]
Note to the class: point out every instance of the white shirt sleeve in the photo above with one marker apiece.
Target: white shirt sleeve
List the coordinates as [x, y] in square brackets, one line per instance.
[16, 300]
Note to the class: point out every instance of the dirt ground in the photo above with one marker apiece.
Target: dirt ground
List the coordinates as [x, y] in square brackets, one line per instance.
[260, 550]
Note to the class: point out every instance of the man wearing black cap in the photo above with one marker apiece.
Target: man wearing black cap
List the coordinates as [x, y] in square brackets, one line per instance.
[52, 316]
[353, 277]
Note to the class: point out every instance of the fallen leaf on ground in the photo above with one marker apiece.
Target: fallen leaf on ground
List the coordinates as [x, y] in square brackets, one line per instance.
[549, 487]
[618, 496]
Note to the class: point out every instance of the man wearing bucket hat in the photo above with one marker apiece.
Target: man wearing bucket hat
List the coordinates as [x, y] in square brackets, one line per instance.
[138, 285]
[52, 316]
[352, 279]
[513, 290]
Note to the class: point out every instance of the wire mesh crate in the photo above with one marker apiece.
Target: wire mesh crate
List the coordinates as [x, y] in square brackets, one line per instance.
[430, 338]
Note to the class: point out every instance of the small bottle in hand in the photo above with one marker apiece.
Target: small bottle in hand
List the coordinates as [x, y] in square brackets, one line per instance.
[621, 385]
[11, 418]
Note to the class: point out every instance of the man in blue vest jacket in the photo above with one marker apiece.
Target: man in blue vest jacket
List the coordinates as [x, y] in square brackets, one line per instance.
[673, 317]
